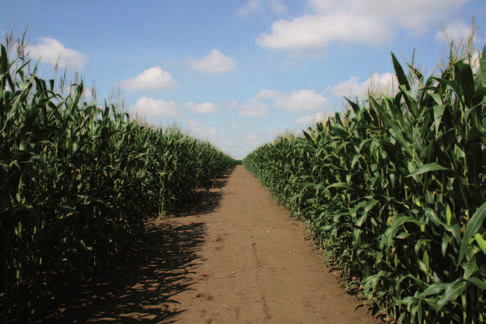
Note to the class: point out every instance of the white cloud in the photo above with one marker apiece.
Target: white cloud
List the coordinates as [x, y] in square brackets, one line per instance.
[152, 79]
[246, 144]
[196, 129]
[380, 84]
[351, 87]
[355, 21]
[456, 31]
[212, 132]
[203, 108]
[311, 32]
[302, 100]
[267, 94]
[192, 123]
[251, 138]
[52, 51]
[253, 108]
[311, 119]
[235, 125]
[233, 104]
[250, 6]
[215, 62]
[251, 142]
[278, 6]
[149, 109]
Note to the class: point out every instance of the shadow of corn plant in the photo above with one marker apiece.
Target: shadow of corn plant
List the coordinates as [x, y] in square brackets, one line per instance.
[79, 182]
[142, 285]
[202, 201]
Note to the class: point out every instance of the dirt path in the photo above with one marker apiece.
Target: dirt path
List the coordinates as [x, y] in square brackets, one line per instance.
[235, 257]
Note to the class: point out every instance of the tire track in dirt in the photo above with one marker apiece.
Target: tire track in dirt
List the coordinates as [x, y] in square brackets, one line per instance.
[262, 293]
[258, 268]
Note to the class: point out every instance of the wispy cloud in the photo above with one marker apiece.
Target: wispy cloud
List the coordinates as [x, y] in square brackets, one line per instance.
[198, 130]
[311, 119]
[267, 94]
[294, 101]
[215, 62]
[300, 100]
[456, 31]
[278, 6]
[149, 109]
[203, 108]
[252, 137]
[378, 83]
[253, 108]
[250, 6]
[232, 105]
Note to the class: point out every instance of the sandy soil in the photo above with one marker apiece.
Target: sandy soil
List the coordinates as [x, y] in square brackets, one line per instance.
[235, 256]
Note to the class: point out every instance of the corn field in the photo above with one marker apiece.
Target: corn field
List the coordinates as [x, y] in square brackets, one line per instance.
[394, 191]
[77, 184]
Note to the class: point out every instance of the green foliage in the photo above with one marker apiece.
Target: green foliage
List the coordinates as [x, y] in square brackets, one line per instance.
[394, 192]
[77, 184]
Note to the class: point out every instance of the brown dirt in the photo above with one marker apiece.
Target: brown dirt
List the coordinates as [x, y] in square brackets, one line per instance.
[233, 257]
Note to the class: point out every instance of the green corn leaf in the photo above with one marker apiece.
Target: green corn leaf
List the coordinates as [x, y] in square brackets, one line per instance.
[470, 268]
[353, 105]
[482, 67]
[481, 284]
[341, 185]
[388, 237]
[434, 289]
[438, 113]
[465, 80]
[453, 290]
[472, 227]
[481, 242]
[448, 215]
[431, 215]
[308, 137]
[446, 240]
[430, 167]
[416, 72]
[402, 78]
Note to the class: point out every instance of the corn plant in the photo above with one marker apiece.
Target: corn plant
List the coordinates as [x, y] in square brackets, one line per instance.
[393, 190]
[78, 182]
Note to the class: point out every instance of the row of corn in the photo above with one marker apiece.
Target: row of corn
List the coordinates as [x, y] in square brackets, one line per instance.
[77, 183]
[394, 192]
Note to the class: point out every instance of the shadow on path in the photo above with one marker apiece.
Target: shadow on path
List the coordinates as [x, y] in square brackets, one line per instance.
[203, 201]
[142, 285]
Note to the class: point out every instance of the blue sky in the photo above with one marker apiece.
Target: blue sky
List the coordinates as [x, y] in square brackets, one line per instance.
[238, 72]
